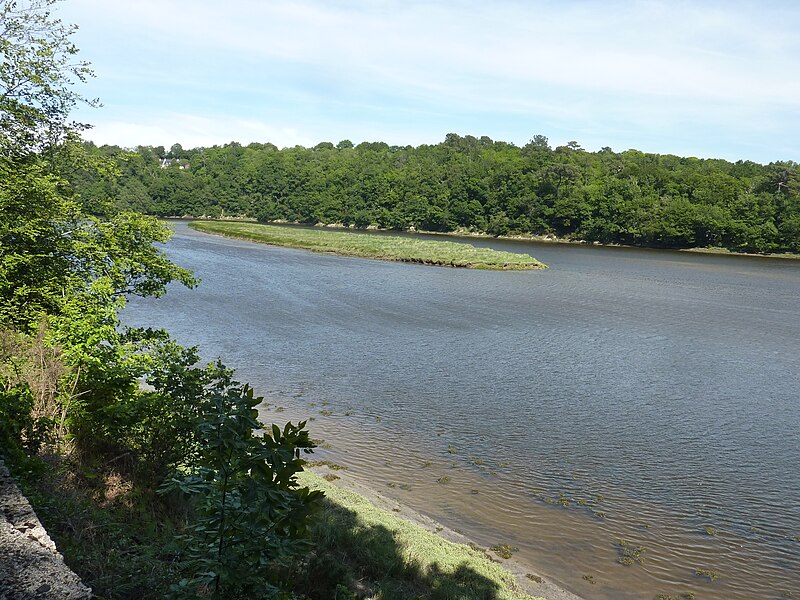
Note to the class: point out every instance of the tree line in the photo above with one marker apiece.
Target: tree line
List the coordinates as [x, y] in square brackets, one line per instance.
[469, 184]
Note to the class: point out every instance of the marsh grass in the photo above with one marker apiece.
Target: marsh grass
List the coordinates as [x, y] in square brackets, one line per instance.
[709, 574]
[382, 247]
[504, 550]
[370, 552]
[629, 554]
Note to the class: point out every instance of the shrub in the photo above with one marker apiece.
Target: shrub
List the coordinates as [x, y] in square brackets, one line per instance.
[251, 513]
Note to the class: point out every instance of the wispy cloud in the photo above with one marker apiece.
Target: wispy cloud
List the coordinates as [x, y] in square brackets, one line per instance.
[192, 131]
[620, 66]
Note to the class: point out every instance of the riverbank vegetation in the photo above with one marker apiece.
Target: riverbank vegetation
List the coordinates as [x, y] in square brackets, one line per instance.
[152, 472]
[470, 184]
[370, 552]
[137, 460]
[383, 247]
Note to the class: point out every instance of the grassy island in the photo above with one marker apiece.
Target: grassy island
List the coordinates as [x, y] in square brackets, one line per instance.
[382, 247]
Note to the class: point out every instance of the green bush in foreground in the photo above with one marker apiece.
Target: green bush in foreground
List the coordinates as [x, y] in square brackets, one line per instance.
[383, 247]
[251, 512]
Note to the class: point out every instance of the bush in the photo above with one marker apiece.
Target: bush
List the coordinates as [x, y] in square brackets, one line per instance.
[251, 514]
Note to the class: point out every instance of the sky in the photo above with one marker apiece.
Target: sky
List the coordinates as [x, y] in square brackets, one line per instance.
[712, 79]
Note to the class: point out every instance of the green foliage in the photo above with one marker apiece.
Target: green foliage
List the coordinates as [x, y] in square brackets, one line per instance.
[16, 422]
[128, 403]
[251, 512]
[479, 185]
[151, 427]
[55, 250]
[38, 68]
[65, 268]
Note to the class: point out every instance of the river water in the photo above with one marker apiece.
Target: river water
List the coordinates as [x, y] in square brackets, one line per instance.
[631, 395]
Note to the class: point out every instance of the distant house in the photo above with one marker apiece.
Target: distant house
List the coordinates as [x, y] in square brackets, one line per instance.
[179, 162]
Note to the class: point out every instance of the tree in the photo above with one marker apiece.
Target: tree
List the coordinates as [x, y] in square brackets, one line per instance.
[67, 265]
[538, 143]
[37, 72]
[64, 270]
[54, 252]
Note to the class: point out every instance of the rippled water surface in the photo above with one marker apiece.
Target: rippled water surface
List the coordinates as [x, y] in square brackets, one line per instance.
[645, 396]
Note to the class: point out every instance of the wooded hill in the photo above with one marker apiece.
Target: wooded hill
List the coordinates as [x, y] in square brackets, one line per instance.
[470, 183]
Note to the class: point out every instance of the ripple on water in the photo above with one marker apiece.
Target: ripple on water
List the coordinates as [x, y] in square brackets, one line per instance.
[664, 384]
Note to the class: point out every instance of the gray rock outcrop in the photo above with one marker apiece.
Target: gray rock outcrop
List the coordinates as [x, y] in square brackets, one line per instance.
[30, 565]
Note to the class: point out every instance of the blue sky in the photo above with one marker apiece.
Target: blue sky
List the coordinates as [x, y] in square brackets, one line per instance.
[706, 79]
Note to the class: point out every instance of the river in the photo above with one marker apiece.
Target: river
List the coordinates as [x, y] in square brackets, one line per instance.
[623, 394]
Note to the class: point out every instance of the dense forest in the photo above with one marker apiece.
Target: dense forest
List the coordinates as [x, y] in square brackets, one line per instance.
[472, 184]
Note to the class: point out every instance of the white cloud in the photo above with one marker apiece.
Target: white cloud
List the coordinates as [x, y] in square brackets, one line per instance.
[648, 64]
[674, 49]
[192, 131]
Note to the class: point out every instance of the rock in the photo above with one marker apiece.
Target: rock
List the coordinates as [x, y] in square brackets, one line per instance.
[30, 565]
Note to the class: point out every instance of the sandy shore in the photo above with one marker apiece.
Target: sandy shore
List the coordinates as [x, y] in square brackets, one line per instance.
[519, 569]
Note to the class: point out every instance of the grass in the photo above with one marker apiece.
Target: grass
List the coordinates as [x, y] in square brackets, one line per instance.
[369, 552]
[709, 574]
[119, 540]
[382, 247]
[629, 554]
[503, 550]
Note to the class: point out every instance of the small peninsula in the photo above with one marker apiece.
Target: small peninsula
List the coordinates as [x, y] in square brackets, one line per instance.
[382, 247]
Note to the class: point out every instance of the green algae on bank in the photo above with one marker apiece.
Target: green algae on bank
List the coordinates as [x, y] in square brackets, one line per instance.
[382, 247]
[394, 557]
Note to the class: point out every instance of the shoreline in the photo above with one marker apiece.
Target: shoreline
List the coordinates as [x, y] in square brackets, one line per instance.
[542, 239]
[519, 569]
